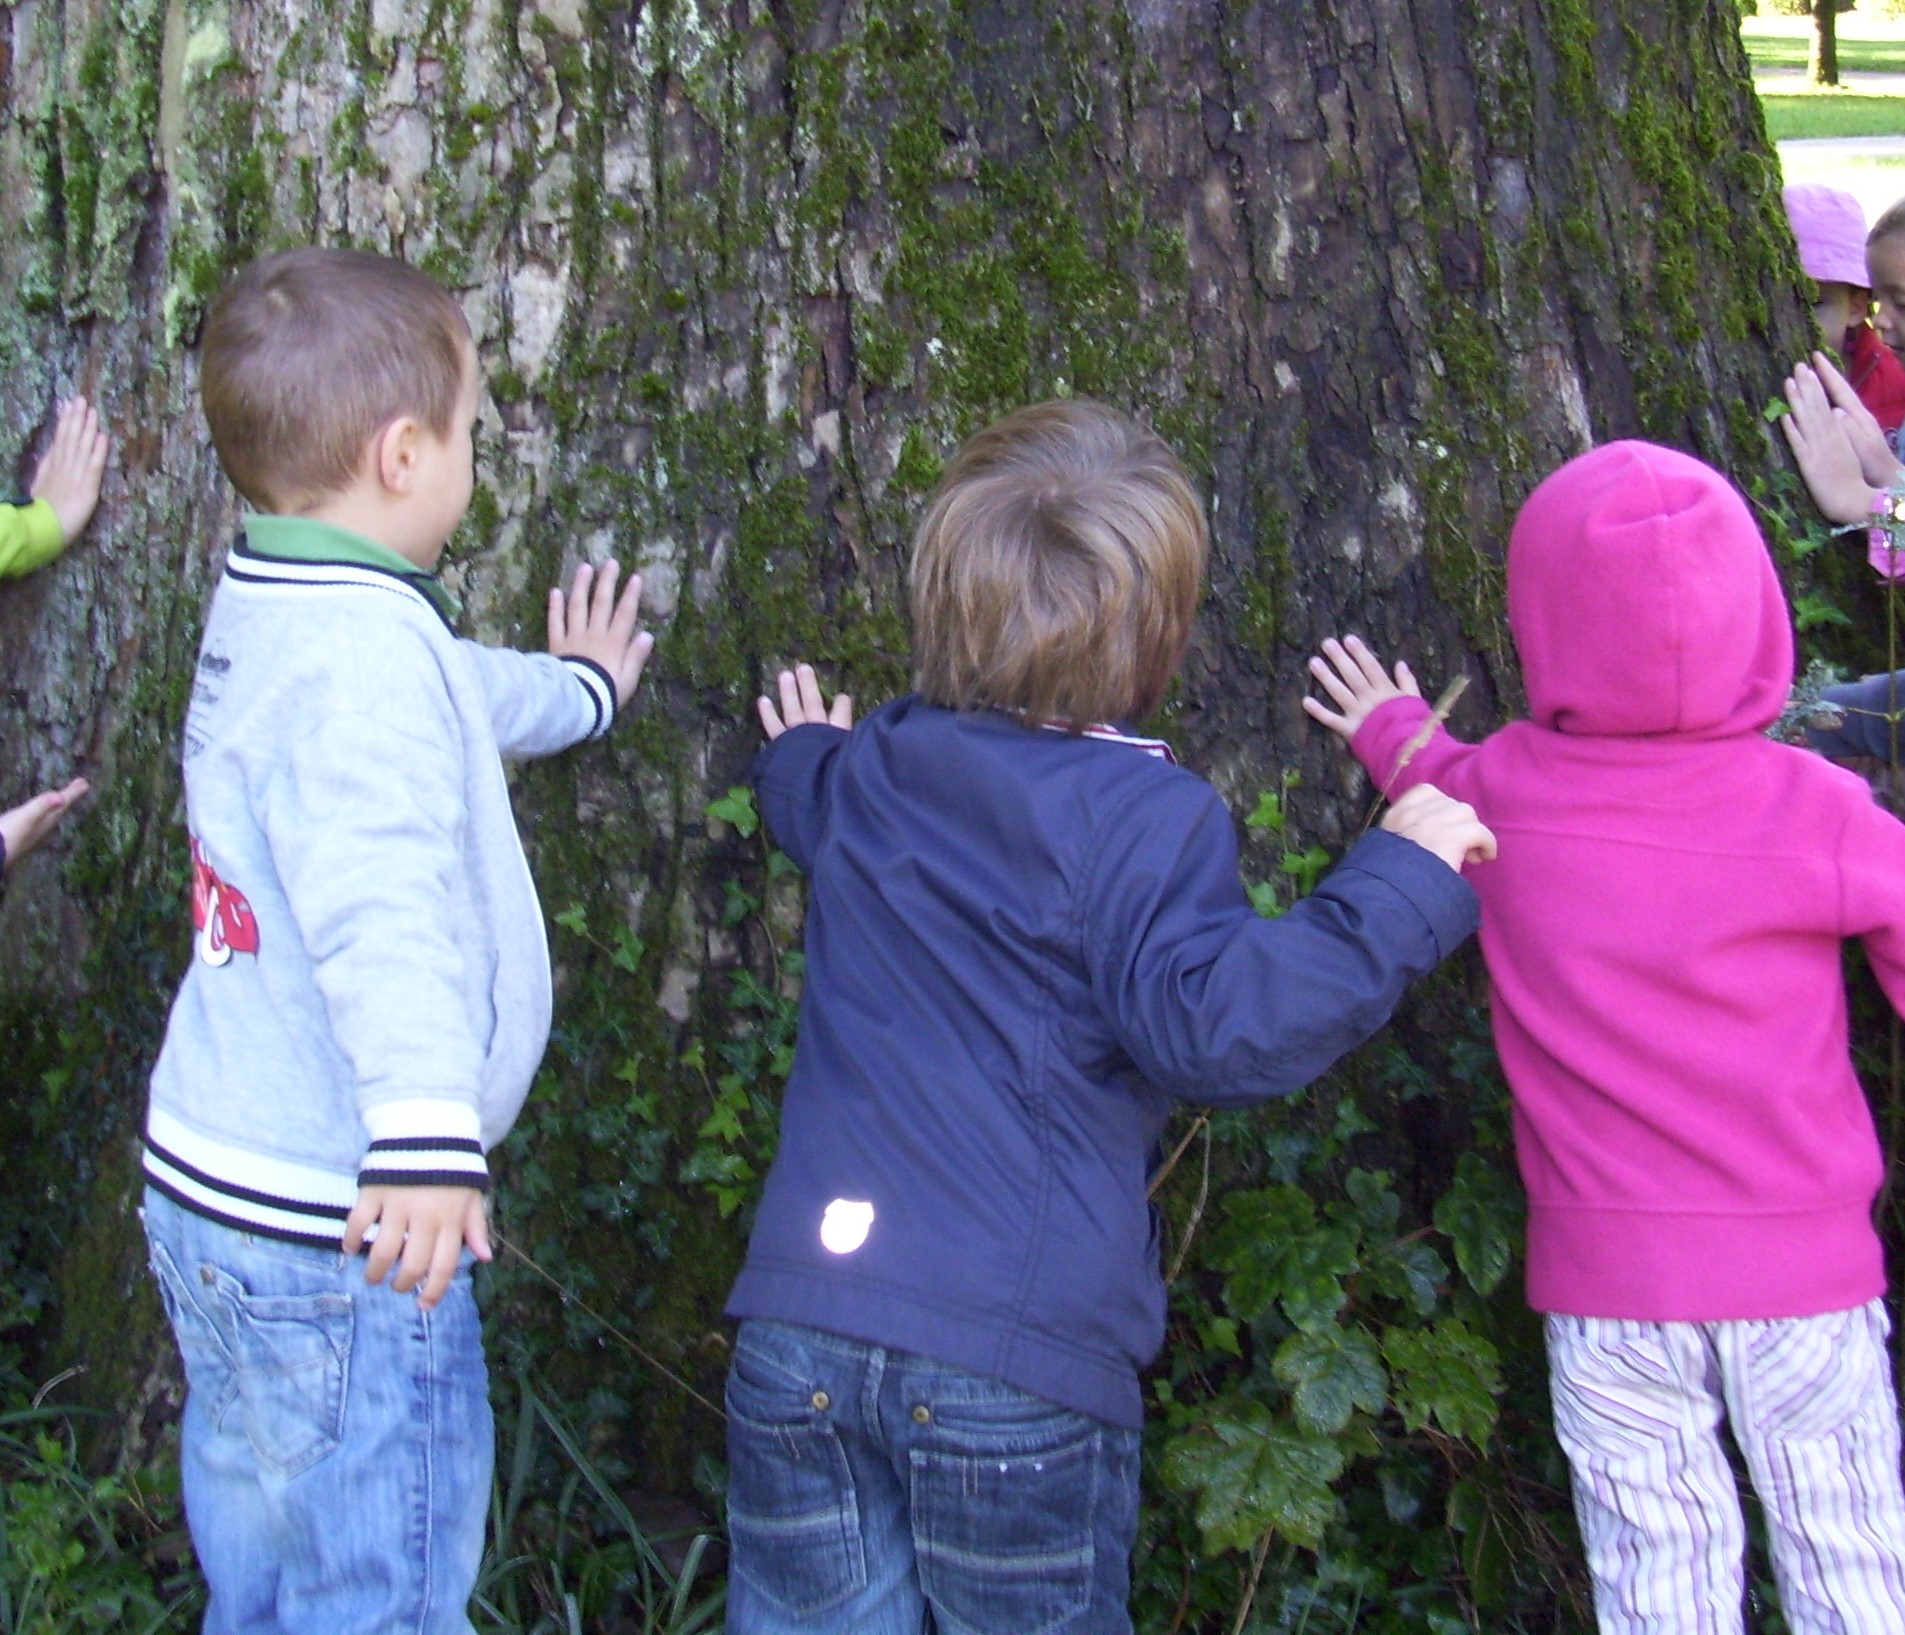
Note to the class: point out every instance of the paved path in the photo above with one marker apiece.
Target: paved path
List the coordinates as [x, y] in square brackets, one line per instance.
[1850, 79]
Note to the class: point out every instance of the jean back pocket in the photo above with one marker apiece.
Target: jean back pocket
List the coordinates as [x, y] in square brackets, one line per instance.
[793, 1517]
[1003, 1503]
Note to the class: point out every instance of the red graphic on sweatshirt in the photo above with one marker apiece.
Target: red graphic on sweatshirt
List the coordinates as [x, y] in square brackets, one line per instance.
[223, 918]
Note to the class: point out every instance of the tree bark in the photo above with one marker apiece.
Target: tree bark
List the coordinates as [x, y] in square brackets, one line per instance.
[1822, 58]
[741, 275]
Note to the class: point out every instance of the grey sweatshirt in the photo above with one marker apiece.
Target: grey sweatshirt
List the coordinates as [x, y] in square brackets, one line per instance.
[369, 991]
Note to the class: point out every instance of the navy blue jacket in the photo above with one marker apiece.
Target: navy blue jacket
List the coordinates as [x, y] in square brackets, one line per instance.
[1867, 706]
[1021, 946]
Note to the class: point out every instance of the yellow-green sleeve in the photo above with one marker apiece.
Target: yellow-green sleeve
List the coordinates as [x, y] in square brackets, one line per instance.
[29, 537]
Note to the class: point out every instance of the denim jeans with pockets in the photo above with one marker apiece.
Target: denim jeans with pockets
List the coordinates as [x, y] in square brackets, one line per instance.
[337, 1440]
[870, 1490]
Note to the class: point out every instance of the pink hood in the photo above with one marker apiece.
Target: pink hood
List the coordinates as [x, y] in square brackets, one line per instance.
[1643, 602]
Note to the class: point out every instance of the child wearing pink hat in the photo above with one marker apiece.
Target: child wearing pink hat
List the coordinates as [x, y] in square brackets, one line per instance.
[1663, 928]
[1829, 228]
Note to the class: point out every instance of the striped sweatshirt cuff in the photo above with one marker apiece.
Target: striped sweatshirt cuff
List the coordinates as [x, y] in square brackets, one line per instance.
[423, 1144]
[600, 686]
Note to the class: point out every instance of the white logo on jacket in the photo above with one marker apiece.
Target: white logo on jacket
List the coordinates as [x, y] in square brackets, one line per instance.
[844, 1226]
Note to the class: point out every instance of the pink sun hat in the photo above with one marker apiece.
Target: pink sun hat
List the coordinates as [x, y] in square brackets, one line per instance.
[1829, 226]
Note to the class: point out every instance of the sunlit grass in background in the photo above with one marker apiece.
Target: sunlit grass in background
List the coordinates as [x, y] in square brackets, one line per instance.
[1868, 44]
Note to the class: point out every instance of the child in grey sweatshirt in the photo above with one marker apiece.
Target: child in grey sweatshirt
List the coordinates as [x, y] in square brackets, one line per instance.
[369, 992]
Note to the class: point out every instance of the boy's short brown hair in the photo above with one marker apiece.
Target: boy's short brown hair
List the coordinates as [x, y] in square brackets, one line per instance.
[309, 353]
[1058, 568]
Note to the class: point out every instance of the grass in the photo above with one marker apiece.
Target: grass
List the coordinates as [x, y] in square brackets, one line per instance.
[82, 1553]
[1870, 101]
[1871, 43]
[1868, 45]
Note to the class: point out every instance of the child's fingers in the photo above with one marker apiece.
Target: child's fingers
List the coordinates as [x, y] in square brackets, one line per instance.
[1802, 388]
[841, 714]
[389, 1243]
[578, 609]
[1832, 383]
[1329, 679]
[558, 617]
[438, 1269]
[790, 699]
[67, 425]
[602, 596]
[628, 610]
[813, 706]
[628, 674]
[771, 722]
[1406, 679]
[362, 1217]
[1320, 711]
[1368, 666]
[94, 446]
[476, 1228]
[1795, 434]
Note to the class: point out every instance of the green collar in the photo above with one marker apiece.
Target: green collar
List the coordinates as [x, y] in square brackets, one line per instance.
[304, 539]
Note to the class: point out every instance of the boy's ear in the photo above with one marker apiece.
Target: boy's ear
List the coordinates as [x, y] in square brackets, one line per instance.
[396, 450]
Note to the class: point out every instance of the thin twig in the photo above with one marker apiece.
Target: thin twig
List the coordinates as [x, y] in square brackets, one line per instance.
[1443, 707]
[56, 1381]
[1201, 1122]
[570, 1297]
[1197, 1212]
[1257, 1559]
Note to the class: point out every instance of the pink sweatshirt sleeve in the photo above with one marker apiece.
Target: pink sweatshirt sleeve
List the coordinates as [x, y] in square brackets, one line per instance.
[1385, 738]
[1872, 880]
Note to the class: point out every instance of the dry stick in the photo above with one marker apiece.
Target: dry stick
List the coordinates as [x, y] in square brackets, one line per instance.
[1444, 706]
[1256, 1577]
[1197, 1210]
[56, 1382]
[1202, 1121]
[571, 1298]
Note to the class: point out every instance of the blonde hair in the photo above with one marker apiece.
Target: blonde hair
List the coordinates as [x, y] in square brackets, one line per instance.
[310, 353]
[1058, 568]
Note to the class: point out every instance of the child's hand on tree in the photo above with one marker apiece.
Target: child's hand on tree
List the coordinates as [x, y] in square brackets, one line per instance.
[1877, 461]
[29, 823]
[1355, 679]
[71, 469]
[592, 623]
[426, 1226]
[802, 704]
[1823, 449]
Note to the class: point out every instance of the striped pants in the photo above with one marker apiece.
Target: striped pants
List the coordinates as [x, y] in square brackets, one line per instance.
[1810, 1403]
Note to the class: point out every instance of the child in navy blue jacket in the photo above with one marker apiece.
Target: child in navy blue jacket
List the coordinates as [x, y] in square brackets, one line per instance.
[1026, 937]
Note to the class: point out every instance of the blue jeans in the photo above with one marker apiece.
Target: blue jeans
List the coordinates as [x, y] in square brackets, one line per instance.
[869, 1489]
[337, 1440]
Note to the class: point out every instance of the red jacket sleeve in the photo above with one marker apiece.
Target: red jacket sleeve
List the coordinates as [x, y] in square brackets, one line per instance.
[1877, 376]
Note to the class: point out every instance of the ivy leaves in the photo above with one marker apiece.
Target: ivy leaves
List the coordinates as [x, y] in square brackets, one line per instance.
[1352, 1326]
[1446, 1373]
[1481, 1215]
[1254, 1476]
[1331, 1372]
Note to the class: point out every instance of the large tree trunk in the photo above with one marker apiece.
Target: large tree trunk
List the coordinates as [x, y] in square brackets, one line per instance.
[741, 275]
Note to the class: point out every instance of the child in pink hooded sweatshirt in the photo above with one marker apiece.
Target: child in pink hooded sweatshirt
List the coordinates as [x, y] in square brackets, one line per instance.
[1662, 930]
